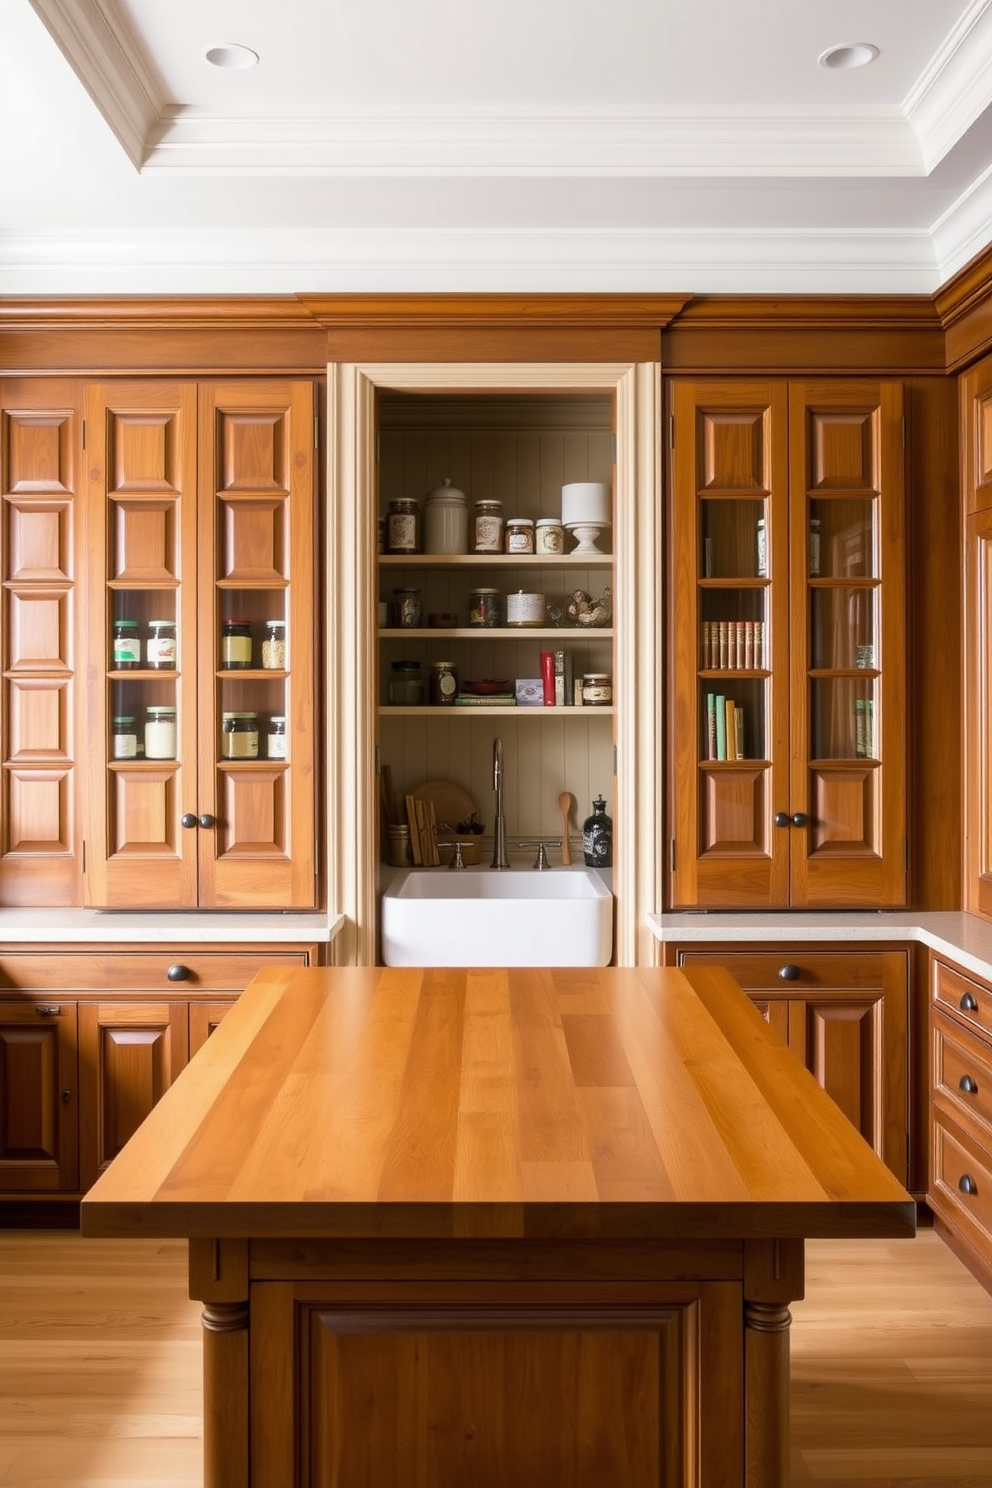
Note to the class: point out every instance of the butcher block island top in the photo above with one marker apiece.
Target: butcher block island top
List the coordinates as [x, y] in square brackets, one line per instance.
[496, 1227]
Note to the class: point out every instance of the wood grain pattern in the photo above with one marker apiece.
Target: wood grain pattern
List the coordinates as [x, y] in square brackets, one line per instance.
[387, 1102]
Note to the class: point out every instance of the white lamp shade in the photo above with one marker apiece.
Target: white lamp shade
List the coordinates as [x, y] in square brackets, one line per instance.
[585, 501]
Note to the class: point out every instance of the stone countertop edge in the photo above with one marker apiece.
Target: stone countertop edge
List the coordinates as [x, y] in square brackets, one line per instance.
[963, 938]
[146, 927]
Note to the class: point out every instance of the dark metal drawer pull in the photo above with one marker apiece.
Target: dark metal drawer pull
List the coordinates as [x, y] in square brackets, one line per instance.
[800, 819]
[48, 1010]
[968, 1085]
[968, 1004]
[179, 973]
[967, 1184]
[789, 973]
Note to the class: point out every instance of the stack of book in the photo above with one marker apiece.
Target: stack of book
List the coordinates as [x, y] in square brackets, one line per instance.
[733, 645]
[724, 728]
[423, 832]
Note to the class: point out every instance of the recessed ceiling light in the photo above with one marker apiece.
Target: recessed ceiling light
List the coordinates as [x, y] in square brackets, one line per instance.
[851, 54]
[232, 55]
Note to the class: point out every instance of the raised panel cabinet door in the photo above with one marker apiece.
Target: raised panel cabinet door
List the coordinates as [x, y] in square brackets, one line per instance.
[848, 644]
[976, 429]
[129, 1055]
[204, 1018]
[38, 1096]
[728, 728]
[978, 713]
[257, 794]
[40, 439]
[141, 722]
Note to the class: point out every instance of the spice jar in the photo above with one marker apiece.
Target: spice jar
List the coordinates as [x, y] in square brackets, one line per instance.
[275, 739]
[160, 732]
[402, 521]
[488, 527]
[446, 520]
[239, 735]
[236, 645]
[406, 608]
[125, 737]
[549, 535]
[519, 535]
[160, 647]
[126, 647]
[406, 685]
[274, 646]
[483, 608]
[443, 683]
[597, 690]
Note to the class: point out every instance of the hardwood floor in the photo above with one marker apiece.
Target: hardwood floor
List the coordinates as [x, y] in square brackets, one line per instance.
[100, 1366]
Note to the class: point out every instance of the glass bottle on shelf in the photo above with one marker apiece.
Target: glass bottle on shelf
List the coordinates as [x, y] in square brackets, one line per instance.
[126, 648]
[236, 647]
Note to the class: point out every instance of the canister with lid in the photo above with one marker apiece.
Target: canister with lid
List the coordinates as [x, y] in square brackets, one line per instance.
[524, 609]
[160, 647]
[597, 690]
[443, 684]
[488, 527]
[126, 653]
[125, 737]
[402, 525]
[407, 608]
[236, 645]
[275, 739]
[519, 536]
[483, 609]
[160, 732]
[446, 520]
[239, 735]
[406, 685]
[549, 536]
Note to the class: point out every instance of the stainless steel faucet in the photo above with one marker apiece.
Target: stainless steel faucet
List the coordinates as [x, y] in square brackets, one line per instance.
[500, 856]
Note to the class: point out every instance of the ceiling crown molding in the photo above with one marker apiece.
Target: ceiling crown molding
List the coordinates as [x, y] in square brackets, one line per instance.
[956, 88]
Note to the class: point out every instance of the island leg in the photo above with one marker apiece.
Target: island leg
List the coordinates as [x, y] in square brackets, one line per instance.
[773, 1277]
[218, 1277]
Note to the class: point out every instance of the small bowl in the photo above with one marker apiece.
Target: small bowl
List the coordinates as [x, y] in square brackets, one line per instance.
[487, 687]
[443, 620]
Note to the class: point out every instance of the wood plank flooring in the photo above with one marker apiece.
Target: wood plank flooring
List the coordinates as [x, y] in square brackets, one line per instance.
[100, 1366]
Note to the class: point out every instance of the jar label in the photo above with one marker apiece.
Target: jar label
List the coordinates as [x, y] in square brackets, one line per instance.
[127, 649]
[241, 744]
[519, 540]
[125, 746]
[276, 746]
[160, 651]
[488, 534]
[550, 540]
[402, 533]
[237, 650]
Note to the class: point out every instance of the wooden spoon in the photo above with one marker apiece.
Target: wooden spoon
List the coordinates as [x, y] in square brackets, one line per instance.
[565, 802]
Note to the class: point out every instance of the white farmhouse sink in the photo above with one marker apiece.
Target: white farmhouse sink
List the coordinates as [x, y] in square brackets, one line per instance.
[493, 917]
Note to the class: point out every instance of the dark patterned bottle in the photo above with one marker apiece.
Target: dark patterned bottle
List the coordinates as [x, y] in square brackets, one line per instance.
[597, 837]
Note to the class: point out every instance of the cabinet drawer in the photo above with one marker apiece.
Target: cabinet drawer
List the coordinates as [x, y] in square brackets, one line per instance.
[760, 971]
[962, 1070]
[959, 1160]
[964, 997]
[111, 971]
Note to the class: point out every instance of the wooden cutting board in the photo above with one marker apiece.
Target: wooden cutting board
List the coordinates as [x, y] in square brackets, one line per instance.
[451, 803]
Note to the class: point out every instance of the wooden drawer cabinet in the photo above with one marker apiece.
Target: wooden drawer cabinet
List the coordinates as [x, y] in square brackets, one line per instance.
[963, 997]
[962, 1071]
[845, 1015]
[38, 1098]
[139, 971]
[961, 1185]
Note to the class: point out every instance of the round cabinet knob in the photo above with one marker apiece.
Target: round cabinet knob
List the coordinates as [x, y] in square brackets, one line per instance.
[967, 1184]
[968, 1085]
[206, 820]
[187, 820]
[968, 1004]
[66, 1097]
[782, 819]
[179, 973]
[800, 819]
[789, 972]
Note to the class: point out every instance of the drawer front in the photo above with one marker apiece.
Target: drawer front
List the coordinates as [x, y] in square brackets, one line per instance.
[962, 1070]
[963, 996]
[962, 1182]
[140, 971]
[760, 971]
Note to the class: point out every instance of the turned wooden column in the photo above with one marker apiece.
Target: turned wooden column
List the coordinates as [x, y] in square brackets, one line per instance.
[773, 1277]
[218, 1276]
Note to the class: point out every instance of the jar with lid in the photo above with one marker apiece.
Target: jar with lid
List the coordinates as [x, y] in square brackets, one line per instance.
[524, 609]
[402, 525]
[160, 732]
[597, 837]
[274, 646]
[275, 738]
[160, 647]
[236, 645]
[597, 690]
[239, 735]
[443, 684]
[125, 737]
[127, 646]
[446, 520]
[406, 685]
[488, 536]
[519, 535]
[483, 608]
[549, 535]
[407, 608]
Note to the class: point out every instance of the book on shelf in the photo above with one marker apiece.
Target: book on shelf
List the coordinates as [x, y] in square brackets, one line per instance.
[489, 700]
[724, 728]
[739, 734]
[563, 688]
[864, 728]
[548, 678]
[720, 708]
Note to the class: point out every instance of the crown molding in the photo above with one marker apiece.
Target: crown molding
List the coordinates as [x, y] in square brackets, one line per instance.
[956, 87]
[152, 312]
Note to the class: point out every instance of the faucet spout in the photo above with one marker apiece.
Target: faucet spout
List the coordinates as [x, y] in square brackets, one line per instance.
[500, 855]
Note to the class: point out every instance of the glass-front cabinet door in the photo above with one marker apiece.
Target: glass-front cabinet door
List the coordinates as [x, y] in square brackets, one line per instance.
[200, 779]
[787, 757]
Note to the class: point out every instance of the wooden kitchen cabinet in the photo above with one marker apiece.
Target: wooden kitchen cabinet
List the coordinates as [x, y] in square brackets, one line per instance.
[201, 510]
[39, 1102]
[787, 603]
[846, 1016]
[976, 418]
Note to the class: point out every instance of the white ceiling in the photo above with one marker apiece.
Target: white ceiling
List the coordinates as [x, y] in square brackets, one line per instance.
[514, 145]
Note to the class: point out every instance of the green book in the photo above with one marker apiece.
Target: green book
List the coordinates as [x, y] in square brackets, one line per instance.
[721, 726]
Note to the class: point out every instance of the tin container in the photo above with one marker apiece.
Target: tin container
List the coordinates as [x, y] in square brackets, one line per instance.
[524, 609]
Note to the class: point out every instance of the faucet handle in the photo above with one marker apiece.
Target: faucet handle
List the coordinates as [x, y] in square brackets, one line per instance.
[541, 843]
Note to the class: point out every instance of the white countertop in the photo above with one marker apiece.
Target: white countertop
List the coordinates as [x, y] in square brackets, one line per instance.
[964, 938]
[147, 927]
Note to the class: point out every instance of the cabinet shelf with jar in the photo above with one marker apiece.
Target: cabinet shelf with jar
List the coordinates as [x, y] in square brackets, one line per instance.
[201, 669]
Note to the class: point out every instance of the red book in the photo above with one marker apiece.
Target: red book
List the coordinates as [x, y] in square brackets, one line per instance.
[548, 677]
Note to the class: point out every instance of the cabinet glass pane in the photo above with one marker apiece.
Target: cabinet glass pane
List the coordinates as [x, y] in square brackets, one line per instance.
[843, 718]
[729, 532]
[842, 629]
[847, 546]
[737, 732]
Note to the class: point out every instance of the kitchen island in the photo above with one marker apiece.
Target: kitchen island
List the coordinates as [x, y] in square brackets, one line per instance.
[496, 1227]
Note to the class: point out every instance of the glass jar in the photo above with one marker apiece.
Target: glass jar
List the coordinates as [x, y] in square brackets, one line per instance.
[519, 535]
[597, 690]
[160, 647]
[127, 646]
[160, 732]
[125, 737]
[488, 527]
[274, 646]
[275, 738]
[446, 520]
[762, 550]
[549, 536]
[402, 522]
[239, 735]
[236, 645]
[483, 608]
[443, 684]
[406, 685]
[814, 547]
[406, 608]
[524, 609]
[597, 837]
